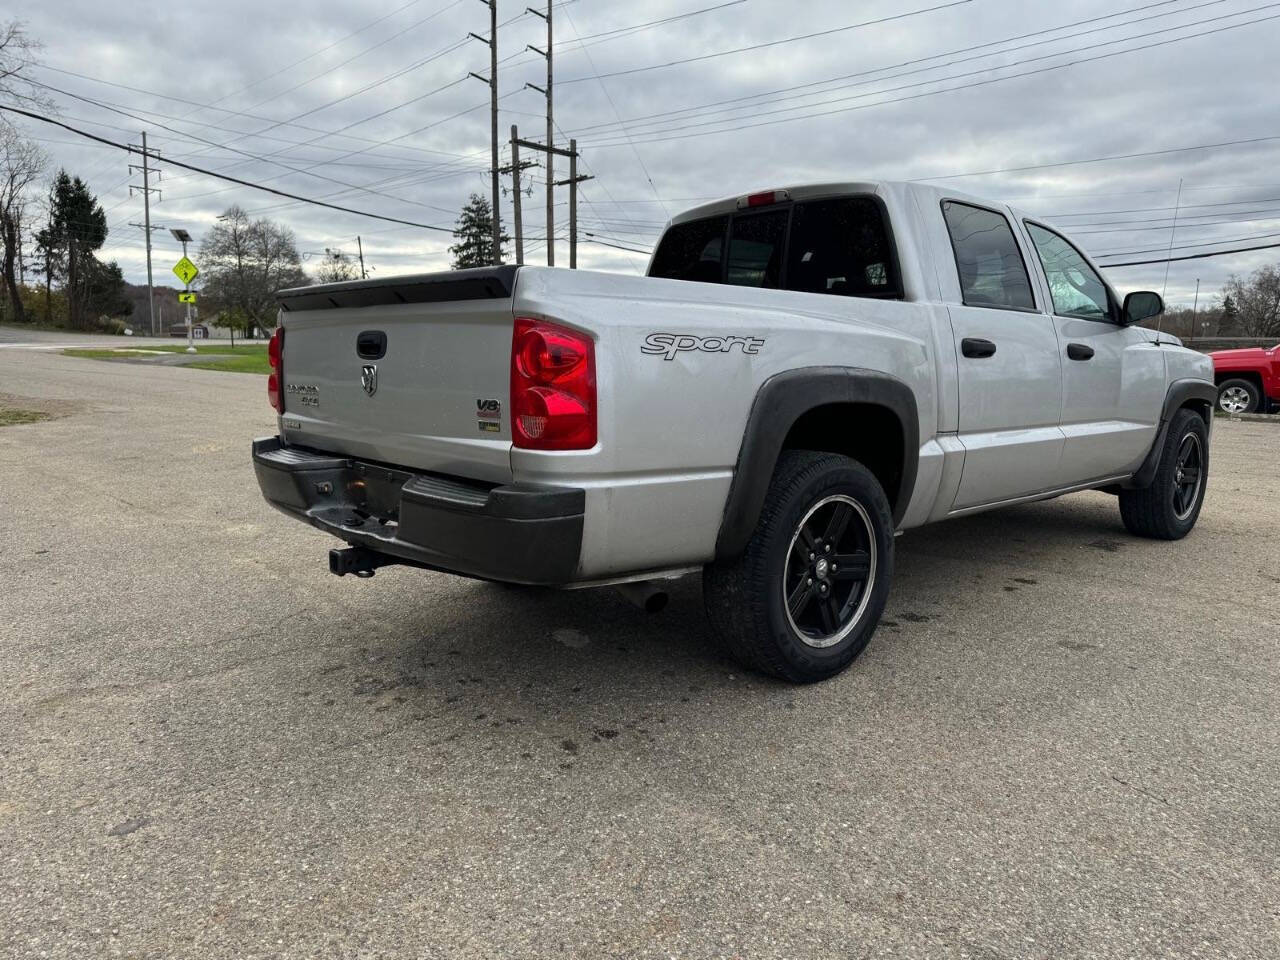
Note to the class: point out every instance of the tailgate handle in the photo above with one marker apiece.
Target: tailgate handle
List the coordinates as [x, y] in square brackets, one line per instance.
[371, 345]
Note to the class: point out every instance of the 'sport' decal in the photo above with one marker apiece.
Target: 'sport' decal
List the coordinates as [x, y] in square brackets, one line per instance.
[669, 345]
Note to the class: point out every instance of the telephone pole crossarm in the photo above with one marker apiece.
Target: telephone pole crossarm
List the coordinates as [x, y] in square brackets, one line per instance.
[531, 145]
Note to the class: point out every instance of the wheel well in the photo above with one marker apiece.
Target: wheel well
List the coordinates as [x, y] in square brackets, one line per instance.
[868, 433]
[1199, 407]
[1251, 375]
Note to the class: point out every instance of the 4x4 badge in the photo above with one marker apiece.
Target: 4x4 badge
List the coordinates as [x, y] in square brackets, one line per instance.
[369, 378]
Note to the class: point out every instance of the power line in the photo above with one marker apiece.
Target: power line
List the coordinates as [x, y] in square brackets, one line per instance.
[592, 238]
[312, 56]
[1166, 226]
[244, 153]
[672, 133]
[1185, 206]
[634, 28]
[352, 59]
[1184, 246]
[234, 113]
[222, 176]
[774, 43]
[1194, 256]
[614, 107]
[769, 96]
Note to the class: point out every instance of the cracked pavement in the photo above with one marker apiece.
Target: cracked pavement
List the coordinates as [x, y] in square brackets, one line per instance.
[1062, 742]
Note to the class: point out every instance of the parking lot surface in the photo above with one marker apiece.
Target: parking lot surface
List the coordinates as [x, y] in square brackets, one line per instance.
[1062, 742]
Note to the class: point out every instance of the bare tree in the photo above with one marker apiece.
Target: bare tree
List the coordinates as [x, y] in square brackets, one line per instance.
[245, 262]
[18, 50]
[336, 266]
[21, 163]
[1256, 302]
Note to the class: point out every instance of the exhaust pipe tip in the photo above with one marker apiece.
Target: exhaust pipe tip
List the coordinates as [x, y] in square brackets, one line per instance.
[646, 595]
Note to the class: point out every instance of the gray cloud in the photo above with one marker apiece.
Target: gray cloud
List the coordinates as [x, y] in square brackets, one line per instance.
[897, 119]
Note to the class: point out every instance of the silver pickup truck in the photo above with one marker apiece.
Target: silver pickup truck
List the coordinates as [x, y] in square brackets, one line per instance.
[802, 374]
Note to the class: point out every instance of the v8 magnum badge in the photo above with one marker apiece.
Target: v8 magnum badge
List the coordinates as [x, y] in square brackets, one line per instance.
[489, 415]
[668, 345]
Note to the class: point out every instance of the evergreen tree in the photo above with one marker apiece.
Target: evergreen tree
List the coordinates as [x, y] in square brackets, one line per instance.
[474, 233]
[77, 227]
[1230, 326]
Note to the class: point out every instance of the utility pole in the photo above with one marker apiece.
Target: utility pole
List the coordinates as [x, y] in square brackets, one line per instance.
[574, 179]
[492, 80]
[572, 183]
[547, 92]
[514, 168]
[360, 247]
[1195, 305]
[146, 190]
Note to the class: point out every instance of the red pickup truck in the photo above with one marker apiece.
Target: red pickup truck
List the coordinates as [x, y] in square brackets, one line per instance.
[1248, 380]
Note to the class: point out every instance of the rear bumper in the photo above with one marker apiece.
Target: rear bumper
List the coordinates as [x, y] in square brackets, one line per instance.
[519, 533]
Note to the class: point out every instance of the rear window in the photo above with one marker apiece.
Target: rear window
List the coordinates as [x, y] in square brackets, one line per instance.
[691, 251]
[755, 250]
[838, 246]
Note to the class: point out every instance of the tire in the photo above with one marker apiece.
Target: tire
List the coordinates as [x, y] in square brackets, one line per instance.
[1239, 396]
[837, 610]
[1167, 510]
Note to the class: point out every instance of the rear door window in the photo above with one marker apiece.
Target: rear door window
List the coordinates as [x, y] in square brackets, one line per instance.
[691, 251]
[992, 272]
[755, 249]
[841, 247]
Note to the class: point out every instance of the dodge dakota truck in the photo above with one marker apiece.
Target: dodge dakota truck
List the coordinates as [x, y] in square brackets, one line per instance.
[803, 374]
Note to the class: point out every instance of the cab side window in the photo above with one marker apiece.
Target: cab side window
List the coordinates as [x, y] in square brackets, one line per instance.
[842, 247]
[1076, 288]
[992, 272]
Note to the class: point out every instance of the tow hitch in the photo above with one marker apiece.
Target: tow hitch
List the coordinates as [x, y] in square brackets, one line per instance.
[358, 560]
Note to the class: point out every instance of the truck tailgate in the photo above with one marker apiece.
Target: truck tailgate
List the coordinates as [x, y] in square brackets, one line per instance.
[410, 371]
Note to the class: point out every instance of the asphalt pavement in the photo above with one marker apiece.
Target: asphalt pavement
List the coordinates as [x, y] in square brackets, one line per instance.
[1063, 742]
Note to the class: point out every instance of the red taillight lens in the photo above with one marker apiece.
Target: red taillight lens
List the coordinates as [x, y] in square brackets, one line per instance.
[273, 392]
[275, 357]
[553, 387]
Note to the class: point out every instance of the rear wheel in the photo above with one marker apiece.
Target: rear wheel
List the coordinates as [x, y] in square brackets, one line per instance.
[1238, 396]
[1167, 510]
[805, 596]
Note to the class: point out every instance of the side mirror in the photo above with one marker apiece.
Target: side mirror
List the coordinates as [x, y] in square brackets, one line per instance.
[1142, 305]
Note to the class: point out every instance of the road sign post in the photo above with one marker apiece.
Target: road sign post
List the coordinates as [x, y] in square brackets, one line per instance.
[186, 272]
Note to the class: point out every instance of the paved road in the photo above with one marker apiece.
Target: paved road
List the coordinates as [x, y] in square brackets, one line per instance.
[25, 338]
[1062, 743]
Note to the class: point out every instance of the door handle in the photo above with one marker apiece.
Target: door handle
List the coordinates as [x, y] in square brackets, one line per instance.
[977, 348]
[371, 345]
[1079, 351]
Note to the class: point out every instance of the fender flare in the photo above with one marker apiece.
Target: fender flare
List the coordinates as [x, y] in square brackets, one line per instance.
[779, 403]
[1179, 394]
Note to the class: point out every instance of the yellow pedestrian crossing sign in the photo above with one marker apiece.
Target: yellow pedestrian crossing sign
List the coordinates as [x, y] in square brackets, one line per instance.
[186, 270]
[186, 296]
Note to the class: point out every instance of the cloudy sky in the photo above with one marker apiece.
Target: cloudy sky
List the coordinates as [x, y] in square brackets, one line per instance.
[369, 105]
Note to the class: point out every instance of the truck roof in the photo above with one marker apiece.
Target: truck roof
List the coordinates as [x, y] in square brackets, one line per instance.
[804, 191]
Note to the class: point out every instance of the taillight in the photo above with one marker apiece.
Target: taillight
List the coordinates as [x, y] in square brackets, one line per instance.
[553, 387]
[275, 356]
